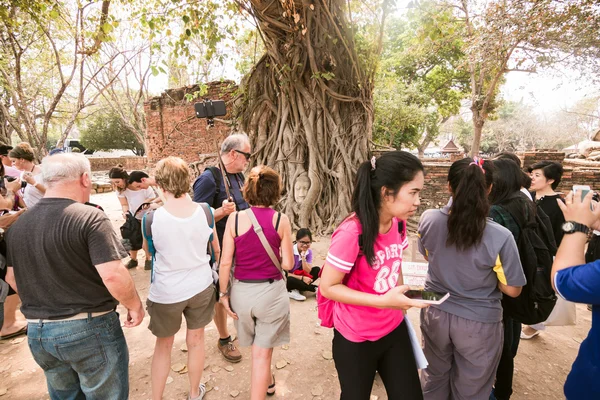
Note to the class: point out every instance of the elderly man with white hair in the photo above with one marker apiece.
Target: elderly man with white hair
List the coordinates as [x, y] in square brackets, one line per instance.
[210, 188]
[64, 259]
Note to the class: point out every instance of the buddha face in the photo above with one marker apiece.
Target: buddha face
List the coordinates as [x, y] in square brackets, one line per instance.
[301, 187]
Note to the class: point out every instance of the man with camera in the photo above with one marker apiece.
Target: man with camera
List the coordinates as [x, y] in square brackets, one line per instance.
[70, 292]
[209, 188]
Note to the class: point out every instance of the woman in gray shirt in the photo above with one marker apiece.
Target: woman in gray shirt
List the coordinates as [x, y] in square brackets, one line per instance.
[475, 260]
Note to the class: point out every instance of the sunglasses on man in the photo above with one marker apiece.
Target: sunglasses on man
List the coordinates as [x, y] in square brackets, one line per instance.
[247, 155]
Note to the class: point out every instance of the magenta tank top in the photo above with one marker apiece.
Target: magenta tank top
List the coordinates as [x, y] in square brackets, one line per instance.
[252, 262]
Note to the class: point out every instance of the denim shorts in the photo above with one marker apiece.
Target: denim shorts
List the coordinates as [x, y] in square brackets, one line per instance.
[82, 359]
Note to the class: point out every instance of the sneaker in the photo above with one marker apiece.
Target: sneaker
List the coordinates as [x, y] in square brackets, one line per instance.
[202, 389]
[148, 265]
[229, 351]
[132, 264]
[295, 295]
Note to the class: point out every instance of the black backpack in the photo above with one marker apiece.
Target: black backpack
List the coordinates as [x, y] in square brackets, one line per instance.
[131, 231]
[216, 173]
[536, 250]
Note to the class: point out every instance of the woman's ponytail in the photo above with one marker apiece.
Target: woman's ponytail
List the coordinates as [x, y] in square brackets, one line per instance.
[470, 181]
[365, 204]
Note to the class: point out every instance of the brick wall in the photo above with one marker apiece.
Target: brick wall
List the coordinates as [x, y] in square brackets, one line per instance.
[174, 130]
[531, 157]
[129, 163]
[435, 190]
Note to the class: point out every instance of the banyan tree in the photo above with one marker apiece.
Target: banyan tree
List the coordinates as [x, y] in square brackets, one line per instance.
[307, 103]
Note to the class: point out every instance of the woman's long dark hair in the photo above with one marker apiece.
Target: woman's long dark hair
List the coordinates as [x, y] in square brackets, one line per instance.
[507, 181]
[506, 191]
[470, 207]
[391, 170]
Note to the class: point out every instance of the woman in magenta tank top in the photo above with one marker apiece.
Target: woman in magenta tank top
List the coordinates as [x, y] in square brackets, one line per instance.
[258, 300]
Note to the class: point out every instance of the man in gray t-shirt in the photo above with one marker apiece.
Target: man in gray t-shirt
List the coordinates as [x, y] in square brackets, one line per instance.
[64, 260]
[470, 276]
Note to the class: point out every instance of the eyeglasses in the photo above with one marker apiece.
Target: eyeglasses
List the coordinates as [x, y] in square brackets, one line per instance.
[247, 155]
[304, 243]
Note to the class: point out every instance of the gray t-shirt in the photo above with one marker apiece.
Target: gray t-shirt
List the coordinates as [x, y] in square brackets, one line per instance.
[470, 276]
[53, 248]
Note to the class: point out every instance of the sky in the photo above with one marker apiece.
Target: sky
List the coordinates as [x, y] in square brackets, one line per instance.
[547, 92]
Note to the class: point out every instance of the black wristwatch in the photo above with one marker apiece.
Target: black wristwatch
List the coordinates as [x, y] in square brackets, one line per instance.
[571, 227]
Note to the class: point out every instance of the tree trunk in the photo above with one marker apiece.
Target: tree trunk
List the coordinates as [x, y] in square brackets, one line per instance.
[478, 122]
[307, 107]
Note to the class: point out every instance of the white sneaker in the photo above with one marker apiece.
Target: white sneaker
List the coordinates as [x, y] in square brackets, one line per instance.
[202, 389]
[295, 295]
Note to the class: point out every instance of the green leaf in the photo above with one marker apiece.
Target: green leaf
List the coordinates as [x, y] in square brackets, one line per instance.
[155, 71]
[107, 28]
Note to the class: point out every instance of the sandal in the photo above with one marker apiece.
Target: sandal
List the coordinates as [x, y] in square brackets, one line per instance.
[22, 331]
[525, 336]
[271, 388]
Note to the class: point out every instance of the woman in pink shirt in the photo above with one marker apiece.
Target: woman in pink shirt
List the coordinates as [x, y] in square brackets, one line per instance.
[362, 274]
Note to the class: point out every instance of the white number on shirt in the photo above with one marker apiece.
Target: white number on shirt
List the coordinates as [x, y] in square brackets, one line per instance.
[386, 280]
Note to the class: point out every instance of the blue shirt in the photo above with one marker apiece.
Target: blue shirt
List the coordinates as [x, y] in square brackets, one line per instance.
[205, 189]
[581, 284]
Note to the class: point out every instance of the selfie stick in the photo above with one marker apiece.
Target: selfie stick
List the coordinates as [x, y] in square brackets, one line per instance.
[223, 173]
[210, 119]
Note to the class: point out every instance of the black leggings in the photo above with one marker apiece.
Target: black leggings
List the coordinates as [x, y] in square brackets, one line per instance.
[300, 285]
[392, 356]
[504, 373]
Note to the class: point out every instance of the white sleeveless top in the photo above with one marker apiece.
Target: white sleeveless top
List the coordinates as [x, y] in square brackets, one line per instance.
[181, 268]
[31, 195]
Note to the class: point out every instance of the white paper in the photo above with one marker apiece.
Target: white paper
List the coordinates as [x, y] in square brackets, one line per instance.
[416, 346]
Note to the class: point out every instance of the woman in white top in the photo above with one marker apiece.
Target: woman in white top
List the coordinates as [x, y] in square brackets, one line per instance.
[182, 276]
[22, 157]
[131, 199]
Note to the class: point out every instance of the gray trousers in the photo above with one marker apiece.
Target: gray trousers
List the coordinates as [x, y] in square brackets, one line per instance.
[463, 356]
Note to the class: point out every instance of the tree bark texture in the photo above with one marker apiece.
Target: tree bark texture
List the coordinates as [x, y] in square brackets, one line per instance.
[307, 107]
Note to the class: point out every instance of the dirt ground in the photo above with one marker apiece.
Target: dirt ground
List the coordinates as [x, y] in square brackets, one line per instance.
[303, 370]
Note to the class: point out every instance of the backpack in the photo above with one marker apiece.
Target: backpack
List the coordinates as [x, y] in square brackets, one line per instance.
[536, 250]
[131, 231]
[147, 232]
[325, 306]
[216, 173]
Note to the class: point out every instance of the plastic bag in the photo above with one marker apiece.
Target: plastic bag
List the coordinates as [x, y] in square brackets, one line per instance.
[563, 314]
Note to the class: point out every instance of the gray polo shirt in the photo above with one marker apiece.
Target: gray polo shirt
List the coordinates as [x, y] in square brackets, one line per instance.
[470, 276]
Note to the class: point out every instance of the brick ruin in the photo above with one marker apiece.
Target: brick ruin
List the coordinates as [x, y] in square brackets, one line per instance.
[173, 130]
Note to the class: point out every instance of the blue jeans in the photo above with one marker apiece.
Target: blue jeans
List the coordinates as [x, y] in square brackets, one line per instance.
[82, 359]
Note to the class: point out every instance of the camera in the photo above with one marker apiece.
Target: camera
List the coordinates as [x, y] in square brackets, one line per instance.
[12, 179]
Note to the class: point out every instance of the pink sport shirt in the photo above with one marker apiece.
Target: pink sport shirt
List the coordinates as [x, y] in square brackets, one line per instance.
[361, 323]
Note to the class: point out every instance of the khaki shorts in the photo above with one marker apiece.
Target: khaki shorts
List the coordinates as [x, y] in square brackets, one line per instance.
[165, 319]
[263, 310]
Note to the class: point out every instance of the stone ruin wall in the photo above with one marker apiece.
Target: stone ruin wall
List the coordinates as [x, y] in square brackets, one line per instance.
[173, 129]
